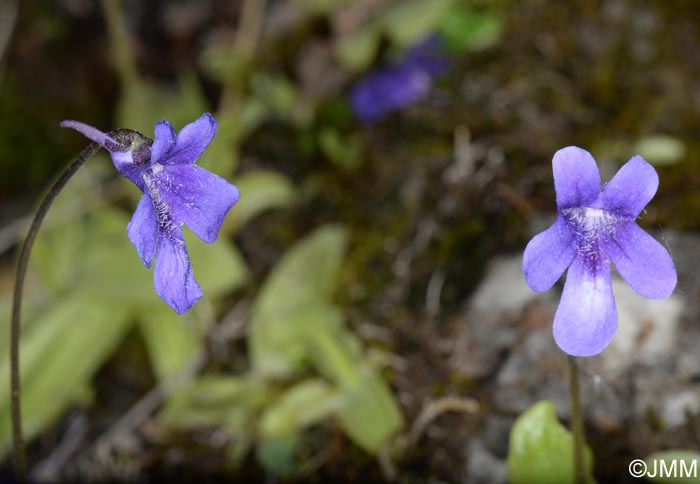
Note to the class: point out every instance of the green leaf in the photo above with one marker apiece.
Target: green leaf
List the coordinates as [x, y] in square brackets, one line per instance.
[57, 252]
[225, 402]
[344, 151]
[541, 449]
[218, 267]
[292, 303]
[282, 99]
[172, 340]
[101, 258]
[229, 402]
[261, 190]
[357, 50]
[111, 264]
[411, 20]
[371, 415]
[294, 323]
[278, 456]
[308, 271]
[335, 352]
[279, 343]
[660, 149]
[299, 406]
[65, 347]
[464, 29]
[673, 467]
[65, 234]
[277, 92]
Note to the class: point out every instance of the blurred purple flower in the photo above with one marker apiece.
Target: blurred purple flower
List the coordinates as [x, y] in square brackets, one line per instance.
[593, 228]
[401, 84]
[175, 191]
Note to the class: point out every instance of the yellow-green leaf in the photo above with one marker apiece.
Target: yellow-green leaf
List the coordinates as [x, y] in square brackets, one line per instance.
[541, 449]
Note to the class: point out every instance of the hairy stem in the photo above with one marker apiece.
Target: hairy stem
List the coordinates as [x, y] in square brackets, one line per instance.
[17, 436]
[577, 422]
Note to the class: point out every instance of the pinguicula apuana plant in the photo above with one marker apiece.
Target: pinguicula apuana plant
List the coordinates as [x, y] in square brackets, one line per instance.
[175, 192]
[596, 226]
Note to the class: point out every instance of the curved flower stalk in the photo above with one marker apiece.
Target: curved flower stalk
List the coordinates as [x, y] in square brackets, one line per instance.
[595, 227]
[175, 192]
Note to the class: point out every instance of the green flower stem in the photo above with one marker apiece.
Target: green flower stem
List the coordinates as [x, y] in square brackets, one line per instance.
[577, 422]
[245, 46]
[120, 41]
[250, 27]
[17, 436]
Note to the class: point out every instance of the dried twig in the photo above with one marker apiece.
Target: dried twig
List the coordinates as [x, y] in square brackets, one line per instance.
[437, 407]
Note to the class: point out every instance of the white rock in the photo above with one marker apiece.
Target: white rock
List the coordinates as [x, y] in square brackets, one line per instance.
[676, 406]
[503, 288]
[647, 328]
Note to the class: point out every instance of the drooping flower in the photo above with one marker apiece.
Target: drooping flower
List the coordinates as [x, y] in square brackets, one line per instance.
[175, 192]
[596, 225]
[401, 84]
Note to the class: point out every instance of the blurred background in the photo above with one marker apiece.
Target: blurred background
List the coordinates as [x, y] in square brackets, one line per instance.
[365, 317]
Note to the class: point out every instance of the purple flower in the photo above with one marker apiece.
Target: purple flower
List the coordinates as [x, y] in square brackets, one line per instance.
[175, 191]
[399, 85]
[595, 227]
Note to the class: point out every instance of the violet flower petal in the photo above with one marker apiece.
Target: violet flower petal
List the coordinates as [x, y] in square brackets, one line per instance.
[190, 143]
[602, 230]
[143, 230]
[632, 187]
[124, 162]
[175, 191]
[576, 177]
[586, 318]
[548, 255]
[407, 81]
[428, 55]
[643, 262]
[389, 90]
[197, 197]
[172, 277]
[164, 141]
